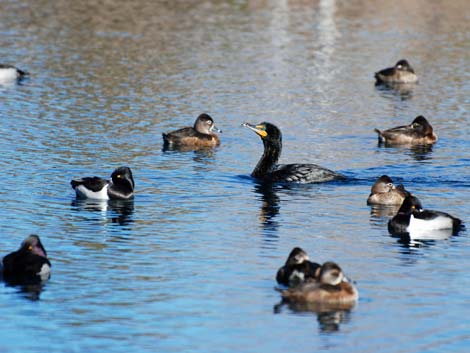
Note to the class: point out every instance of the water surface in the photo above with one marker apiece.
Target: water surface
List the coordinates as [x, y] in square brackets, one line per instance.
[189, 264]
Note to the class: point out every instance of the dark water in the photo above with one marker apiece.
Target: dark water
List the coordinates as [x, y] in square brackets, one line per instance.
[189, 265]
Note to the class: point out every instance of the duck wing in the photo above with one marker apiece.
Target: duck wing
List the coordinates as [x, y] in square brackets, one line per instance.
[19, 263]
[180, 133]
[430, 215]
[304, 173]
[281, 276]
[94, 184]
[396, 133]
[399, 224]
[184, 134]
[384, 74]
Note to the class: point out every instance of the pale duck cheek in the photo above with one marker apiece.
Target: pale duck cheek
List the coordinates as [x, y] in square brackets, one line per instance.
[100, 195]
[296, 277]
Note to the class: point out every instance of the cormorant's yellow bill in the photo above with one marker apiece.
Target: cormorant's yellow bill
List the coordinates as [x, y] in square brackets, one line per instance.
[259, 129]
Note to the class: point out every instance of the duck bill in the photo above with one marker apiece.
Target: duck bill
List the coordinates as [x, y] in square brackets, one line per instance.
[254, 128]
[216, 129]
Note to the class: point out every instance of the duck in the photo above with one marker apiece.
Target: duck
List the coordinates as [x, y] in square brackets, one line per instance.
[297, 268]
[200, 135]
[413, 219]
[267, 168]
[384, 192]
[419, 132]
[29, 262]
[331, 288]
[121, 186]
[402, 72]
[11, 73]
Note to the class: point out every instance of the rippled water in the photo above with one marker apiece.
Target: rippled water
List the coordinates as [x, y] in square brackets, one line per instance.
[189, 265]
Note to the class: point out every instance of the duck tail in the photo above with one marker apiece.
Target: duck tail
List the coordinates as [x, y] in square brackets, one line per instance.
[378, 79]
[75, 183]
[380, 135]
[166, 138]
[457, 225]
[22, 73]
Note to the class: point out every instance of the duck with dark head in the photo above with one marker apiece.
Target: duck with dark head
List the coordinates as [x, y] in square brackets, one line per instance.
[28, 264]
[419, 132]
[200, 135]
[402, 72]
[384, 192]
[121, 186]
[267, 168]
[331, 290]
[418, 223]
[297, 269]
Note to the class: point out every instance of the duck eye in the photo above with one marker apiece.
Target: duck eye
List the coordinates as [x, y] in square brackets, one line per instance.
[30, 247]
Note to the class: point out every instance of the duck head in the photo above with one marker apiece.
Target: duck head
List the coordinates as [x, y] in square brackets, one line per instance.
[205, 124]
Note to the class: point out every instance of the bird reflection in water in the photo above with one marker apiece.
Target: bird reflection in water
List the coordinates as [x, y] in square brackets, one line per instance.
[203, 158]
[269, 207]
[423, 239]
[182, 148]
[329, 317]
[380, 214]
[29, 290]
[116, 211]
[421, 152]
[417, 152]
[404, 91]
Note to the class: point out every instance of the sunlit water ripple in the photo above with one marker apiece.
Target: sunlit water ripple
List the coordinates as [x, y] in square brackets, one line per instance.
[189, 264]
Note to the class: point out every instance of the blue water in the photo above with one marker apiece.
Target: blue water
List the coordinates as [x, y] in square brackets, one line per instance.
[189, 265]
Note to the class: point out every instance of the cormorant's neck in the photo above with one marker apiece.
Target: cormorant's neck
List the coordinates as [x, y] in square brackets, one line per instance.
[268, 161]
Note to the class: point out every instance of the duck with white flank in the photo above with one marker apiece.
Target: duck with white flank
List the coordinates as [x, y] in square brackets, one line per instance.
[416, 222]
[120, 187]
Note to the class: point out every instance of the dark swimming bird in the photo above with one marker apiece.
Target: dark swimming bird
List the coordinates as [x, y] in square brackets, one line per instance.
[121, 186]
[419, 132]
[297, 269]
[268, 169]
[384, 192]
[200, 135]
[11, 73]
[28, 263]
[331, 288]
[412, 219]
[402, 72]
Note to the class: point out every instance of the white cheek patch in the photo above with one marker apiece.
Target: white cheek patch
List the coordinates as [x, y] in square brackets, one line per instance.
[296, 277]
[86, 193]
